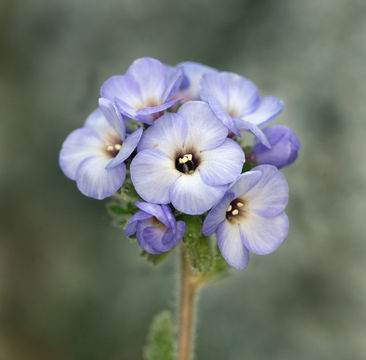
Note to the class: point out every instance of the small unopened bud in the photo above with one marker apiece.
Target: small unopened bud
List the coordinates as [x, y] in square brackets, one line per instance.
[284, 147]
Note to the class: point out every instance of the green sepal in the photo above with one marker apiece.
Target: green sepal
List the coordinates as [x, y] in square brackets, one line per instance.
[155, 259]
[116, 209]
[221, 269]
[249, 164]
[161, 342]
[122, 206]
[200, 250]
[121, 212]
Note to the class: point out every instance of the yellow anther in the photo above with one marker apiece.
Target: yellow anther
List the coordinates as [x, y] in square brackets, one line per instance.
[239, 204]
[110, 148]
[229, 208]
[235, 212]
[117, 146]
[183, 160]
[188, 156]
[155, 145]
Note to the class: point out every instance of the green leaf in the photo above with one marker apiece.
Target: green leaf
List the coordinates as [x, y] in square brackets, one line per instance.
[161, 343]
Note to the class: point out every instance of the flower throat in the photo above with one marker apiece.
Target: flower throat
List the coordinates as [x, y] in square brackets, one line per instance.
[186, 163]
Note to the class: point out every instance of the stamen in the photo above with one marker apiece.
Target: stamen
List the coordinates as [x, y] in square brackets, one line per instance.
[185, 158]
[187, 162]
[110, 148]
[117, 146]
[236, 211]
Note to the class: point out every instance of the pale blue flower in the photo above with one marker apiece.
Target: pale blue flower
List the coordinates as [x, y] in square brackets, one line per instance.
[235, 101]
[250, 216]
[191, 84]
[156, 229]
[94, 155]
[284, 147]
[186, 159]
[145, 91]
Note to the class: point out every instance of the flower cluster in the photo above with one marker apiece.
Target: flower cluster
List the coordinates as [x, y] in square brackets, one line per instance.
[180, 131]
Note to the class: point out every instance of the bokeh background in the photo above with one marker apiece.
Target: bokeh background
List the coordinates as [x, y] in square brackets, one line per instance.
[72, 287]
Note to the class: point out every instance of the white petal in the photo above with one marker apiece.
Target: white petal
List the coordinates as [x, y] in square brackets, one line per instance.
[205, 130]
[222, 114]
[151, 76]
[191, 195]
[263, 235]
[167, 134]
[231, 245]
[79, 145]
[242, 93]
[269, 107]
[94, 180]
[97, 122]
[213, 85]
[245, 182]
[124, 88]
[113, 116]
[223, 164]
[269, 196]
[152, 174]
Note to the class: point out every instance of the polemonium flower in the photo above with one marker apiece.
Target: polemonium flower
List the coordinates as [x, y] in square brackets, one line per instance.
[191, 83]
[236, 102]
[186, 159]
[250, 216]
[94, 155]
[144, 91]
[284, 147]
[156, 229]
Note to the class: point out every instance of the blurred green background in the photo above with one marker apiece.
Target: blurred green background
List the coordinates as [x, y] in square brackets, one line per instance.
[72, 286]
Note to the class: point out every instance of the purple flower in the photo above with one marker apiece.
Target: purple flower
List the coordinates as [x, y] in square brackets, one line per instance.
[144, 91]
[94, 155]
[250, 216]
[284, 147]
[235, 101]
[190, 86]
[156, 229]
[186, 159]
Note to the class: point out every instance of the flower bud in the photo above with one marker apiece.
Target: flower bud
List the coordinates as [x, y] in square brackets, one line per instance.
[284, 147]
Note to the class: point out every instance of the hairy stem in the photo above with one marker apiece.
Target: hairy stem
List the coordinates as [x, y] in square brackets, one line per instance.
[188, 291]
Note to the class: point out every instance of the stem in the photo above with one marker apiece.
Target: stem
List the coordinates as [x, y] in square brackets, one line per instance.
[189, 287]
